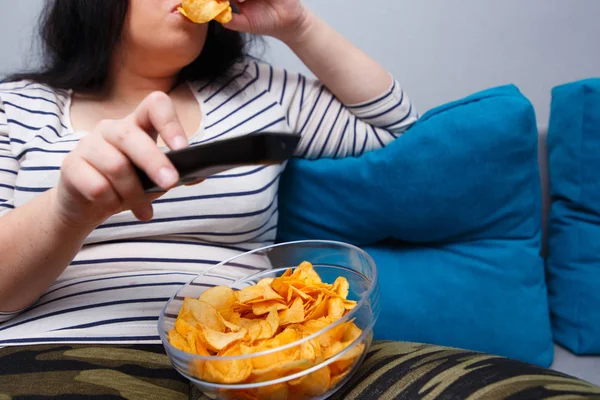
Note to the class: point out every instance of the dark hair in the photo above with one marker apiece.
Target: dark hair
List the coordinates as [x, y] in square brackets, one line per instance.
[78, 38]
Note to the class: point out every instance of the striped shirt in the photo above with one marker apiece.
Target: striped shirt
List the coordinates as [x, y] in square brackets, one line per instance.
[114, 289]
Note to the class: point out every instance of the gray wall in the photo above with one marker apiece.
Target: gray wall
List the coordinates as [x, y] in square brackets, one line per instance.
[439, 49]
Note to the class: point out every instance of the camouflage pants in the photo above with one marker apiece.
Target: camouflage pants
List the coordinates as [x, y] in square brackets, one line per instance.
[391, 371]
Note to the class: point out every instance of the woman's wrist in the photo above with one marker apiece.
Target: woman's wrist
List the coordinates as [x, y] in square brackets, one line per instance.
[62, 224]
[301, 30]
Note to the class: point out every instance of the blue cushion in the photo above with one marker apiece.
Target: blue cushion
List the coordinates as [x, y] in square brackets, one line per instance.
[462, 185]
[574, 227]
[488, 295]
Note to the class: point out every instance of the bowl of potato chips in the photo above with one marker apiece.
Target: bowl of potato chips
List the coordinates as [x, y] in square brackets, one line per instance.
[288, 321]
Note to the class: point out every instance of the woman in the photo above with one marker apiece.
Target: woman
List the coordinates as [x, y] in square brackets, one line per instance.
[86, 255]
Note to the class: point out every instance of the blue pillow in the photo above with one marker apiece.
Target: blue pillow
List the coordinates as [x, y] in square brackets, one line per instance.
[488, 295]
[462, 185]
[573, 260]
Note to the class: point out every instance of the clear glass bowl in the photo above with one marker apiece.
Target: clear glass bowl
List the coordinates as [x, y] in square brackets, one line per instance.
[318, 379]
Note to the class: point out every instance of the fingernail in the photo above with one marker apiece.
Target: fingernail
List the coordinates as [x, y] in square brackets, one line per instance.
[167, 177]
[179, 143]
[147, 213]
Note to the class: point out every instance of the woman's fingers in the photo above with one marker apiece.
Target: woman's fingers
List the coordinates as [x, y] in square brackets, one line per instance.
[156, 115]
[239, 22]
[138, 146]
[99, 177]
[86, 186]
[119, 171]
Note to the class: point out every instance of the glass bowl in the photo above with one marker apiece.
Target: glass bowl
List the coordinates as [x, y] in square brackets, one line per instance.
[315, 377]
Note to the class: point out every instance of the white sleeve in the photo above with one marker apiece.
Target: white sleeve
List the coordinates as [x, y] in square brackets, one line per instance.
[8, 175]
[8, 166]
[335, 130]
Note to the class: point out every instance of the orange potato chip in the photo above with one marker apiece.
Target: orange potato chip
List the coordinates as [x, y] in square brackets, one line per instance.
[216, 340]
[278, 391]
[314, 384]
[204, 314]
[341, 287]
[293, 291]
[228, 371]
[336, 379]
[347, 360]
[267, 306]
[253, 328]
[220, 297]
[273, 313]
[203, 11]
[294, 314]
[273, 321]
[178, 341]
[265, 282]
[310, 350]
[319, 311]
[351, 333]
[306, 273]
[280, 369]
[335, 308]
[183, 327]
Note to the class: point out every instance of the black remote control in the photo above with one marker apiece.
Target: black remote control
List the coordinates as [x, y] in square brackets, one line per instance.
[198, 162]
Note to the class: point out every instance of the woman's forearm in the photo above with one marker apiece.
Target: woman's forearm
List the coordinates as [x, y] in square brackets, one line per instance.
[351, 75]
[35, 248]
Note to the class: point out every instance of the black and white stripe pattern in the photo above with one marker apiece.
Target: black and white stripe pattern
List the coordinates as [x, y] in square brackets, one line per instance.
[115, 288]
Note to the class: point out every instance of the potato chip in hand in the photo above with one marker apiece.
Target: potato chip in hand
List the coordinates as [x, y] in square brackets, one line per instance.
[203, 11]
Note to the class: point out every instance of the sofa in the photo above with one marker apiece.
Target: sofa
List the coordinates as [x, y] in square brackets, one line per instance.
[583, 367]
[481, 223]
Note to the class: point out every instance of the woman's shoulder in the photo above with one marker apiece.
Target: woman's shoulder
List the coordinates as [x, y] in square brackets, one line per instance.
[29, 94]
[29, 107]
[252, 72]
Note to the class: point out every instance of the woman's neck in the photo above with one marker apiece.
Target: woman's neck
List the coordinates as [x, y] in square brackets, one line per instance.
[129, 87]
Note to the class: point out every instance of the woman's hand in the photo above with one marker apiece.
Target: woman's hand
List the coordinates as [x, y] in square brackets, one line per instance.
[282, 19]
[98, 178]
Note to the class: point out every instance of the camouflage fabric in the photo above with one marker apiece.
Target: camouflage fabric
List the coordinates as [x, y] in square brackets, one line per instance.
[391, 371]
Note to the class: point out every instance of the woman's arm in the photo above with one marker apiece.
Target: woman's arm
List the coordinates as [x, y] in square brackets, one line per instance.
[351, 75]
[355, 105]
[36, 247]
[39, 239]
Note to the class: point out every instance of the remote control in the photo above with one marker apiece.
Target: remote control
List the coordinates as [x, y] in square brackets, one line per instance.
[197, 162]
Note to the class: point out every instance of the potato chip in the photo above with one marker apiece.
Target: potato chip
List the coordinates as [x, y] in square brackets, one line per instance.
[306, 273]
[335, 308]
[179, 341]
[351, 333]
[265, 282]
[183, 327]
[266, 307]
[293, 291]
[253, 328]
[320, 309]
[216, 340]
[204, 314]
[275, 312]
[347, 360]
[203, 11]
[221, 298]
[228, 371]
[278, 391]
[341, 287]
[277, 370]
[294, 314]
[314, 384]
[273, 321]
[310, 350]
